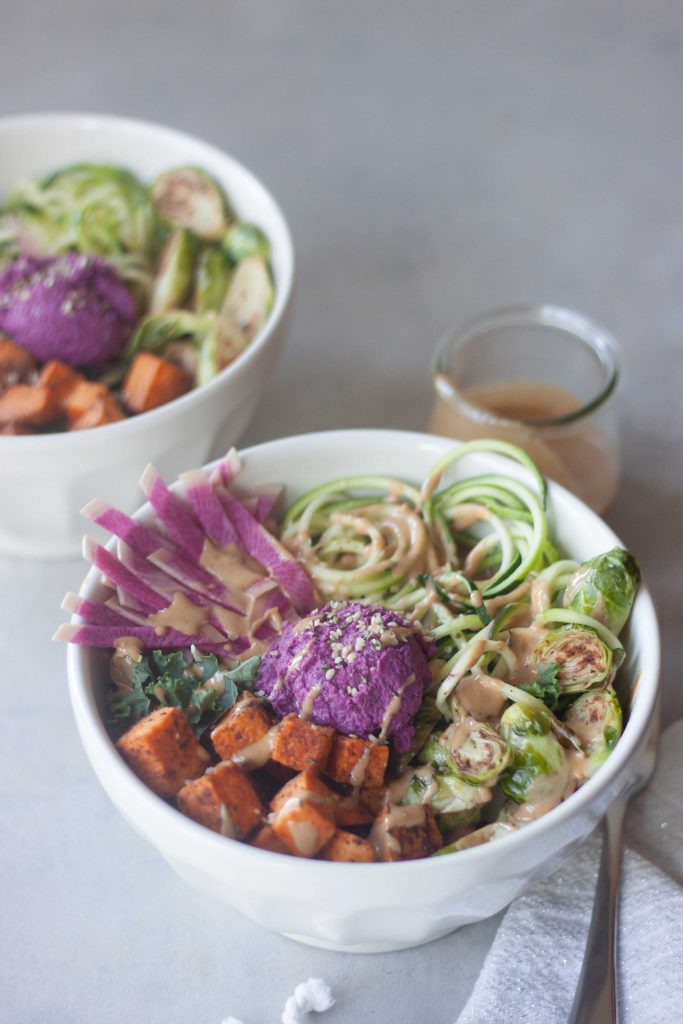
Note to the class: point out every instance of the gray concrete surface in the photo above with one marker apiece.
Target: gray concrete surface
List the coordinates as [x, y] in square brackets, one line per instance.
[435, 160]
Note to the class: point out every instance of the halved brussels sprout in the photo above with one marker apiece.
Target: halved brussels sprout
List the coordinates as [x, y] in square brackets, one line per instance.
[584, 660]
[596, 718]
[533, 751]
[156, 332]
[243, 240]
[188, 197]
[174, 277]
[482, 835]
[445, 794]
[220, 345]
[250, 296]
[212, 278]
[605, 588]
[458, 819]
[477, 751]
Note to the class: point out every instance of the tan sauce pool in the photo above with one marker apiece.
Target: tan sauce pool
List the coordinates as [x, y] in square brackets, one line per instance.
[577, 455]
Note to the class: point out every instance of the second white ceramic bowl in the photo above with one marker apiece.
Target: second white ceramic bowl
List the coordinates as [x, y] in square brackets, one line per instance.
[375, 907]
[46, 479]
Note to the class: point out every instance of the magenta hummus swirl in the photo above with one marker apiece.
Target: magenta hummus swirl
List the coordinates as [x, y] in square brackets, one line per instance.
[359, 668]
[73, 308]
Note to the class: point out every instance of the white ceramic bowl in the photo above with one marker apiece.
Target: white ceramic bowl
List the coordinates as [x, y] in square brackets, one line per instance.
[375, 907]
[46, 479]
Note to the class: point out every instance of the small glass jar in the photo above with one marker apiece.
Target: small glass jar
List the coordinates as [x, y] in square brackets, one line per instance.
[541, 377]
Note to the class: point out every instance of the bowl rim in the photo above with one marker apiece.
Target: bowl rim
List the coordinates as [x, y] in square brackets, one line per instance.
[130, 786]
[82, 121]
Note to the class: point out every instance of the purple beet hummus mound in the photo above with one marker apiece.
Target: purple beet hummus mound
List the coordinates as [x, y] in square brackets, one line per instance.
[359, 668]
[74, 308]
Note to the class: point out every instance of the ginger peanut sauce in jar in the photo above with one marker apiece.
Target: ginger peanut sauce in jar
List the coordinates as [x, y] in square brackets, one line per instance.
[541, 378]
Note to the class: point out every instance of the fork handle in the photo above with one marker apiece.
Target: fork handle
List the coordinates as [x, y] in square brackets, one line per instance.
[595, 1001]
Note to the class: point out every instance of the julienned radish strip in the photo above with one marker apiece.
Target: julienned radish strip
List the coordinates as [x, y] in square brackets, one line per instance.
[139, 537]
[262, 546]
[208, 508]
[120, 576]
[226, 470]
[261, 502]
[105, 636]
[176, 519]
[95, 614]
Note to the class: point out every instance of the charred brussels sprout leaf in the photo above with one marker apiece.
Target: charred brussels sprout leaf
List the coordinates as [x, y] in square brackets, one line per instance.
[605, 588]
[583, 660]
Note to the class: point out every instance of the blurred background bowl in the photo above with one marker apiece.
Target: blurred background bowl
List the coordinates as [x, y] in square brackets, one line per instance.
[365, 908]
[46, 479]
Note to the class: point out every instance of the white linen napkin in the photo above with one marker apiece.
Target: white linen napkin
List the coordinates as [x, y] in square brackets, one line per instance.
[532, 969]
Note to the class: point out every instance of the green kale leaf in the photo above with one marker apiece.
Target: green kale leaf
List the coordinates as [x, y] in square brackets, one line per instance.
[546, 687]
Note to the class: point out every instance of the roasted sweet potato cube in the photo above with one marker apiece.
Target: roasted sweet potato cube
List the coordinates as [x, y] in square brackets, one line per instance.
[103, 411]
[59, 377]
[267, 839]
[224, 800]
[152, 381]
[357, 762]
[302, 745]
[246, 723]
[348, 811]
[405, 833]
[82, 396]
[372, 799]
[15, 430]
[303, 814]
[27, 406]
[15, 359]
[345, 846]
[163, 751]
[306, 786]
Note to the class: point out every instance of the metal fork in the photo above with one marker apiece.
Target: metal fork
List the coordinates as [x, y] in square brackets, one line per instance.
[596, 1000]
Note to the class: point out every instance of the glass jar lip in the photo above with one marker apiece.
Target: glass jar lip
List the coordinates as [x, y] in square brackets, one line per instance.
[600, 341]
